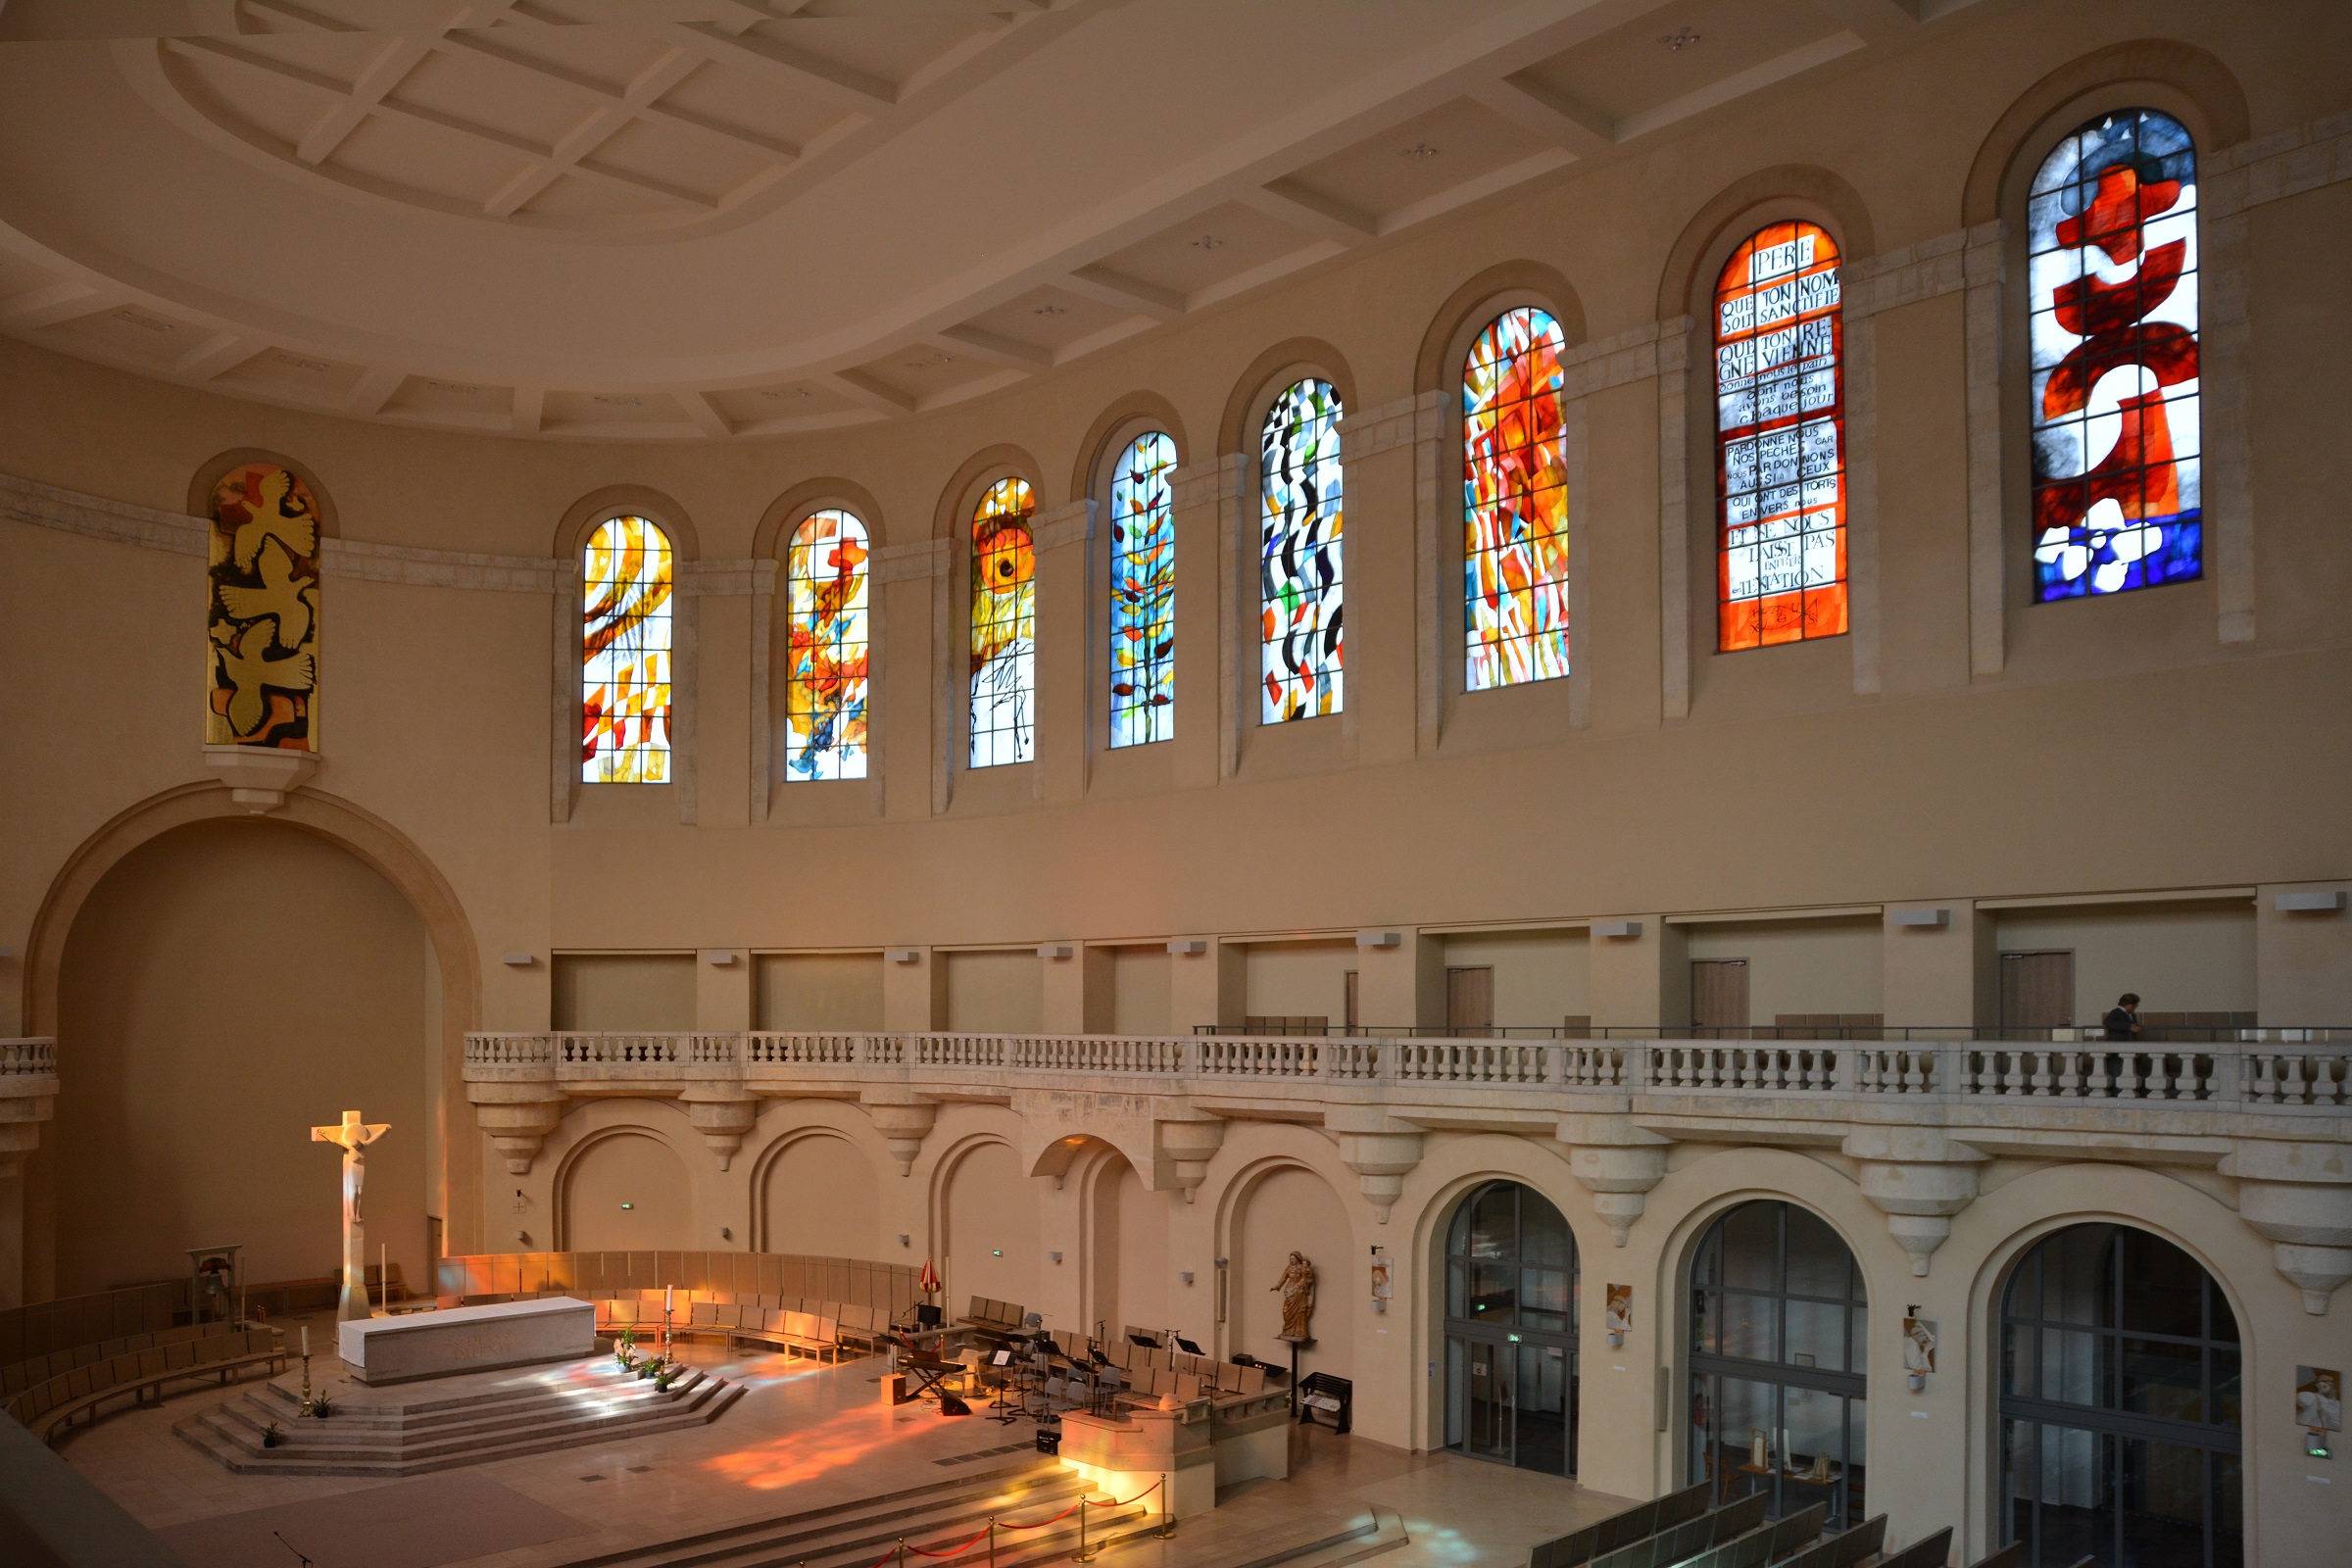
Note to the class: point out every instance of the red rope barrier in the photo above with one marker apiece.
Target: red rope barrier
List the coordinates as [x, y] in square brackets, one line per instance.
[1042, 1522]
[957, 1552]
[1137, 1498]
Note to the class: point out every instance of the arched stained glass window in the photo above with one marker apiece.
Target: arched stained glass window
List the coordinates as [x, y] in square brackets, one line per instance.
[1143, 593]
[825, 681]
[2111, 243]
[1299, 584]
[1003, 626]
[1514, 504]
[1780, 442]
[261, 626]
[624, 663]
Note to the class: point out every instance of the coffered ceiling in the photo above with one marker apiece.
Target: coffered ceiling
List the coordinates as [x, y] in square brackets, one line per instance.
[707, 218]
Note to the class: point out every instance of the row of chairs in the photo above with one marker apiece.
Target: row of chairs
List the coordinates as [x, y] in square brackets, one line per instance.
[46, 1407]
[1679, 1531]
[994, 1316]
[820, 1329]
[19, 1376]
[1158, 1370]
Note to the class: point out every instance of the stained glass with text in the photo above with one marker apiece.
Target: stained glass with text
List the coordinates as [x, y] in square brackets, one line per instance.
[1780, 443]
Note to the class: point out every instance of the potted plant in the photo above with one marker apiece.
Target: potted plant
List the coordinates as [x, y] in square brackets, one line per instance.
[271, 1436]
[624, 1348]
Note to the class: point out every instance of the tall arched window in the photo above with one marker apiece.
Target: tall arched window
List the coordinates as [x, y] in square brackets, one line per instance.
[1298, 585]
[1143, 593]
[1511, 1330]
[1514, 504]
[2120, 1405]
[1779, 440]
[1003, 626]
[1779, 1327]
[825, 681]
[2111, 241]
[261, 625]
[625, 655]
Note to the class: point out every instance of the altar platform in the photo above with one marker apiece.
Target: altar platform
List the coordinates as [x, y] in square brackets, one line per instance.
[466, 1338]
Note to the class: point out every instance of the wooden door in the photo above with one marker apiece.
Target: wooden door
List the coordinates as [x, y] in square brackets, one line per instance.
[1353, 1020]
[1470, 1001]
[2037, 989]
[1719, 997]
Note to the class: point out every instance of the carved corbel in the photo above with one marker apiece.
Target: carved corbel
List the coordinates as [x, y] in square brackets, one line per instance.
[904, 1122]
[1189, 1143]
[1380, 1150]
[1919, 1178]
[2299, 1198]
[1617, 1162]
[723, 1116]
[517, 1116]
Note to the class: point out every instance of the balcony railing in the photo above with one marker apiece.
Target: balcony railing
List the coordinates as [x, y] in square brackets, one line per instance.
[35, 1057]
[2315, 1073]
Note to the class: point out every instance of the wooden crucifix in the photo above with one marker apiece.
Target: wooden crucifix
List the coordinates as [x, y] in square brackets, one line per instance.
[353, 1134]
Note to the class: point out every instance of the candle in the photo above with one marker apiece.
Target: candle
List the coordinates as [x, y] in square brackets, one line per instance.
[306, 1341]
[669, 1301]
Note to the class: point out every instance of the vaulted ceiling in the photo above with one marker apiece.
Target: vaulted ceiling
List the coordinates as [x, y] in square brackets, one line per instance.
[709, 218]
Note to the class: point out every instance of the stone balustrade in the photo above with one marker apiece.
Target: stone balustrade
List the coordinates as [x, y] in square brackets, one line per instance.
[27, 1096]
[1917, 1115]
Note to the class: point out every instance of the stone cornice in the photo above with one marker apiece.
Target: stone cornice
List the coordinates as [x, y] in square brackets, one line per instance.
[921, 557]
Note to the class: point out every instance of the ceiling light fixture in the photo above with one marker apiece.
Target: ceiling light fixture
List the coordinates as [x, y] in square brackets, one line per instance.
[1051, 309]
[1678, 40]
[1417, 151]
[777, 394]
[1207, 242]
[931, 362]
[614, 400]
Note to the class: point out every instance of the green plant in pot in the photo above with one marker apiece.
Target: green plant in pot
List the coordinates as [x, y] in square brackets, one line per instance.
[271, 1436]
[624, 1348]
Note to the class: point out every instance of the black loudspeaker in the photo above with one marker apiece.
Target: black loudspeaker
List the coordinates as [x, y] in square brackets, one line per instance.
[928, 1318]
[950, 1405]
[1048, 1442]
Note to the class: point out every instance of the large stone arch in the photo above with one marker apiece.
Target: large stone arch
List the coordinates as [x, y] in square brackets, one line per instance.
[376, 844]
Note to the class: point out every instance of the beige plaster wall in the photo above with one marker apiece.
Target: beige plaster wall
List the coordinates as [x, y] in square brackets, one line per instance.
[2180, 958]
[228, 987]
[1293, 1209]
[1540, 977]
[818, 991]
[1798, 966]
[1145, 1269]
[1140, 979]
[995, 992]
[822, 1196]
[1294, 979]
[990, 1234]
[623, 991]
[631, 1169]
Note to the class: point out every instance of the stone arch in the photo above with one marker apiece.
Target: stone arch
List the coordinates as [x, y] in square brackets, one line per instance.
[1783, 191]
[1469, 307]
[968, 1245]
[376, 844]
[784, 514]
[952, 518]
[209, 474]
[1268, 374]
[793, 1146]
[567, 1177]
[1119, 423]
[1253, 1315]
[2186, 81]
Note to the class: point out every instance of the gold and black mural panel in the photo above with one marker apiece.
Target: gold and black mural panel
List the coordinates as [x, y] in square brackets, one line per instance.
[261, 631]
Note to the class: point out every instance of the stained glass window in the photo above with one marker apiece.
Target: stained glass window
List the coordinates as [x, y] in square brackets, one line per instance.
[1003, 626]
[1514, 504]
[1143, 593]
[624, 670]
[1780, 443]
[1299, 583]
[261, 625]
[825, 682]
[2111, 243]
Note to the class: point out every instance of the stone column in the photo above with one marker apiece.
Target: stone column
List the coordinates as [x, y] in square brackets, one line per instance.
[1640, 974]
[914, 992]
[1066, 644]
[1077, 991]
[1206, 987]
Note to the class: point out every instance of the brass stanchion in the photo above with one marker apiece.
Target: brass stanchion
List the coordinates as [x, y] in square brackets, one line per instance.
[901, 1552]
[1083, 1555]
[992, 1540]
[1168, 1508]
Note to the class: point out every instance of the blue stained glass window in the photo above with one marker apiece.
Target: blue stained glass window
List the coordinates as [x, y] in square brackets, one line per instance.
[1143, 593]
[2111, 244]
[1300, 580]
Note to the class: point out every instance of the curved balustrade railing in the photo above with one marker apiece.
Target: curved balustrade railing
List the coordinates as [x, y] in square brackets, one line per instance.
[2309, 1073]
[31, 1058]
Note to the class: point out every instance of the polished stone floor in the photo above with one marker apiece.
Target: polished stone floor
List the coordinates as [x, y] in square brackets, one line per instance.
[819, 1433]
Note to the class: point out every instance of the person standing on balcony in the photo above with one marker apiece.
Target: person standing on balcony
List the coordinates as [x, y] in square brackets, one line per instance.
[2123, 1019]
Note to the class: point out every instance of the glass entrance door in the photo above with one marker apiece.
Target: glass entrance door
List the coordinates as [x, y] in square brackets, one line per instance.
[1489, 1424]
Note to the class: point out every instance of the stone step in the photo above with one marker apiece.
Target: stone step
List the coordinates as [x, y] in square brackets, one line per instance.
[232, 1433]
[354, 1429]
[850, 1535]
[285, 1404]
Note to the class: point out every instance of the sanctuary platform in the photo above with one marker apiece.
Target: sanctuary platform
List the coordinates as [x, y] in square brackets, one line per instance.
[467, 1418]
[466, 1338]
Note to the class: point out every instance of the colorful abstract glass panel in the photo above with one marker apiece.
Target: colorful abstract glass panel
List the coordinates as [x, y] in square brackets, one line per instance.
[825, 675]
[1514, 504]
[2111, 244]
[624, 668]
[261, 625]
[1003, 626]
[1780, 444]
[1143, 593]
[1299, 584]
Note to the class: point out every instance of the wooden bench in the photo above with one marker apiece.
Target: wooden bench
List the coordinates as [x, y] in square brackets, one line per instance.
[19, 1376]
[1637, 1523]
[48, 1407]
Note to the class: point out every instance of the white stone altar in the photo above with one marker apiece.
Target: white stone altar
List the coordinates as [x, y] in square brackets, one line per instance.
[466, 1339]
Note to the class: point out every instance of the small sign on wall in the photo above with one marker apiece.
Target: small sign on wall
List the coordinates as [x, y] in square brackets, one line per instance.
[2318, 1407]
[1384, 1289]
